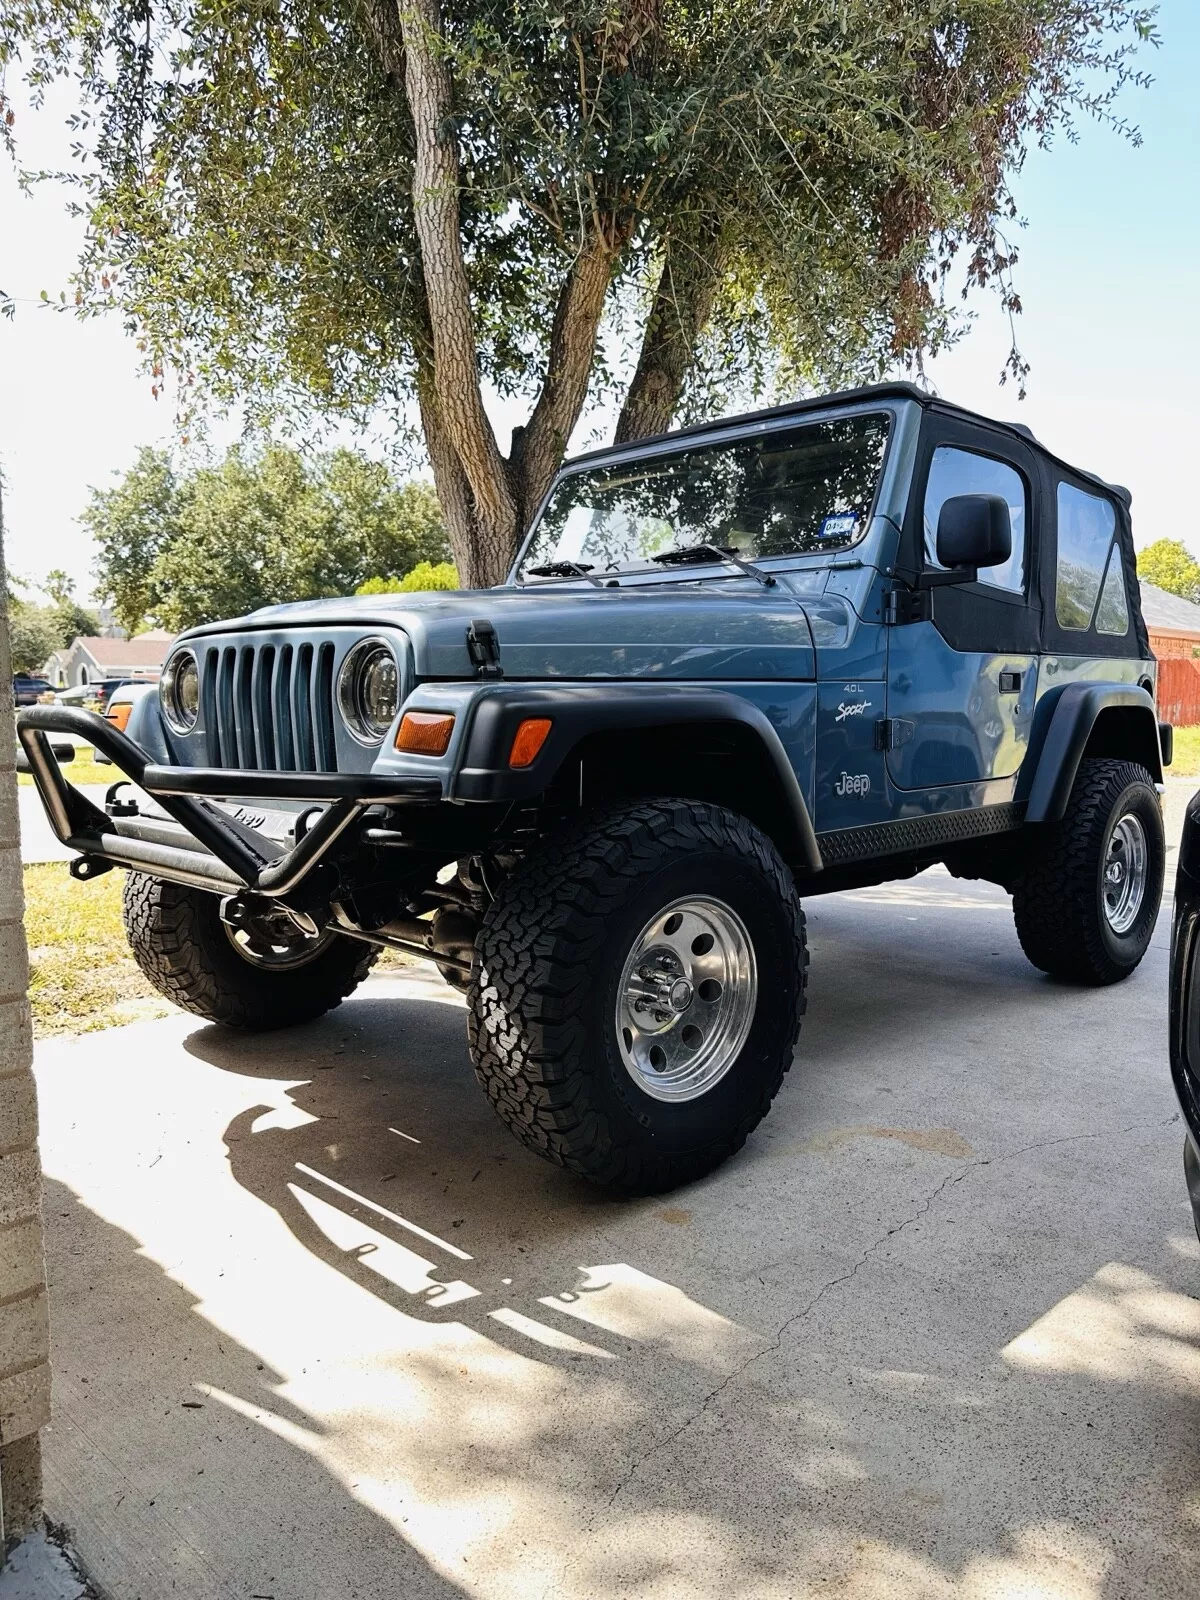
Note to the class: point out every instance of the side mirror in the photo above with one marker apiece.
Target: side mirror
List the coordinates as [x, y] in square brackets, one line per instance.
[974, 530]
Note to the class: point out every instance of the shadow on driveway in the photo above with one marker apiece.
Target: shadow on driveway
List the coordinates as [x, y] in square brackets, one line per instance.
[932, 1334]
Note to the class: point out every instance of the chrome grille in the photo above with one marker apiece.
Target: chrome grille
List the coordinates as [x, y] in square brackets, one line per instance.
[269, 707]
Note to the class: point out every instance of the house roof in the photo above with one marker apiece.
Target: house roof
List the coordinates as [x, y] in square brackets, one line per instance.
[143, 650]
[1163, 610]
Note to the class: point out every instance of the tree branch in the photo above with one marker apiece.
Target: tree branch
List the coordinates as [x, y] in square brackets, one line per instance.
[538, 447]
[693, 258]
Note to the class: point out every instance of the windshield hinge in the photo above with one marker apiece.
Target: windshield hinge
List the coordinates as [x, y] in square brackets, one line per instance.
[905, 605]
[892, 732]
[483, 647]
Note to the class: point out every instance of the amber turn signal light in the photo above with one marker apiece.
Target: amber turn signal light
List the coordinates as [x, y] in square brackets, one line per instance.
[529, 739]
[425, 733]
[119, 716]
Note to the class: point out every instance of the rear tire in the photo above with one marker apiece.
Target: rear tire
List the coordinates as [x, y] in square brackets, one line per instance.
[188, 954]
[639, 988]
[1086, 904]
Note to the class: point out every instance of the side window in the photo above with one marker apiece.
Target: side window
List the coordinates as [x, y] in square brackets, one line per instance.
[1087, 526]
[953, 472]
[1112, 614]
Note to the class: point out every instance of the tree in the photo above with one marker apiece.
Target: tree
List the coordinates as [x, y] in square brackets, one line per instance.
[1170, 565]
[331, 205]
[36, 631]
[33, 637]
[262, 526]
[69, 618]
[132, 524]
[425, 575]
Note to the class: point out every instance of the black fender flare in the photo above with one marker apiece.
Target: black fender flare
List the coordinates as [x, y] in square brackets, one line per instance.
[1063, 727]
[577, 710]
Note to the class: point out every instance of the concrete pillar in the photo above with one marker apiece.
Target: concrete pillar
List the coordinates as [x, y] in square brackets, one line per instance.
[24, 1329]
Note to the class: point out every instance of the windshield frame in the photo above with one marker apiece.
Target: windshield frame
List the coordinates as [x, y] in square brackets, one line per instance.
[720, 433]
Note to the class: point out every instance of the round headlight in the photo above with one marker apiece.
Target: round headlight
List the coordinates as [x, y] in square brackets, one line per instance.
[179, 691]
[369, 691]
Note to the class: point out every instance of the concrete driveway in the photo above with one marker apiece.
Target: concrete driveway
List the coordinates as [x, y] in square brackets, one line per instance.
[322, 1329]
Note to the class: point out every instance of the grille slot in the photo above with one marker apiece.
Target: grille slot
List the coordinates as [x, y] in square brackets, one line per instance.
[269, 708]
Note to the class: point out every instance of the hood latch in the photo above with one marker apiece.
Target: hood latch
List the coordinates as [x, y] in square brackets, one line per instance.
[483, 647]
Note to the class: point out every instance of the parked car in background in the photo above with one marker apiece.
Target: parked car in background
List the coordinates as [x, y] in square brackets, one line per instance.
[28, 689]
[92, 696]
[1185, 998]
[103, 691]
[80, 695]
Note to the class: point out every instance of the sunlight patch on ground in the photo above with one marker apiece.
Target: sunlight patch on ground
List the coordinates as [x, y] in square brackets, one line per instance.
[1123, 1326]
[633, 1305]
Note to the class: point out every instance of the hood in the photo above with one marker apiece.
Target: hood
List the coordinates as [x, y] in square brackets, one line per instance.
[729, 629]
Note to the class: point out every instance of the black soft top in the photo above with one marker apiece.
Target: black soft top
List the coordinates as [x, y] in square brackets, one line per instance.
[1032, 627]
[846, 397]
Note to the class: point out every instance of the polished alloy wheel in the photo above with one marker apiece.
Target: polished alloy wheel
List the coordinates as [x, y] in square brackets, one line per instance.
[686, 999]
[1126, 867]
[282, 954]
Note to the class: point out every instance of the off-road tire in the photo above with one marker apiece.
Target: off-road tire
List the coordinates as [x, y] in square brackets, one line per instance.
[542, 1006]
[180, 943]
[1058, 896]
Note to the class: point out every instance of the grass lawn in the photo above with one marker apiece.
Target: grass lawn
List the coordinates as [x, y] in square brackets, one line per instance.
[82, 976]
[82, 770]
[1187, 754]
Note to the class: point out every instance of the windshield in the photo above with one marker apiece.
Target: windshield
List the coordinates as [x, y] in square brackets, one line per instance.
[784, 492]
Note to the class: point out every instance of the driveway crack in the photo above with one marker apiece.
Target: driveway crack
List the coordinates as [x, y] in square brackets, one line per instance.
[950, 1181]
[776, 1341]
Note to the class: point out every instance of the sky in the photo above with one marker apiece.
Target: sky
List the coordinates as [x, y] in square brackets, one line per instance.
[1109, 276]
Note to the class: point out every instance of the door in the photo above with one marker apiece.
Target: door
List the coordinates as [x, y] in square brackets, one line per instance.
[961, 685]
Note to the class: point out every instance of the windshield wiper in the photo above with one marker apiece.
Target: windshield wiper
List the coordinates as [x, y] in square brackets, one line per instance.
[566, 569]
[692, 553]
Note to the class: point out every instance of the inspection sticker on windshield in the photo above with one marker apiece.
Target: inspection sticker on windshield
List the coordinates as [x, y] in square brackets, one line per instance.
[843, 525]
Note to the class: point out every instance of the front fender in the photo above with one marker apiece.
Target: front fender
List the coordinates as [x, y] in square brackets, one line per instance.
[1103, 719]
[147, 729]
[480, 768]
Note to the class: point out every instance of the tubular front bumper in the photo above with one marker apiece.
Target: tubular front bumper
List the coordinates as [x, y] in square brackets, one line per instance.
[200, 844]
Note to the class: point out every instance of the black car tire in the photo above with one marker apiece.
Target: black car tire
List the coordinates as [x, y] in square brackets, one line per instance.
[1191, 1176]
[1059, 896]
[181, 944]
[551, 955]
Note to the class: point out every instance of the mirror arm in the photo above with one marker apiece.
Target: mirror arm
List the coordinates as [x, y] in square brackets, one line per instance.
[939, 580]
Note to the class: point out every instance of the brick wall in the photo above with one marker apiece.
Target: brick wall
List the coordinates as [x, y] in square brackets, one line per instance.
[24, 1329]
[1171, 642]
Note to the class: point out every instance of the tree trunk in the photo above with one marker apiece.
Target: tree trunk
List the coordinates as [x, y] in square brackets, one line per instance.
[487, 502]
[693, 259]
[23, 1340]
[460, 418]
[453, 492]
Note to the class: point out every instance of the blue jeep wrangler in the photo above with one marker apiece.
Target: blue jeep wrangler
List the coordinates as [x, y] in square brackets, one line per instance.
[810, 649]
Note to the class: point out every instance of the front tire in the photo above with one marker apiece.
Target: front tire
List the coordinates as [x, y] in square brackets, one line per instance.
[181, 944]
[639, 988]
[1086, 905]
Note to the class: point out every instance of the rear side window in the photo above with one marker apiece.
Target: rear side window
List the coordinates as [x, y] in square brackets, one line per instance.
[1112, 614]
[1088, 562]
[953, 472]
